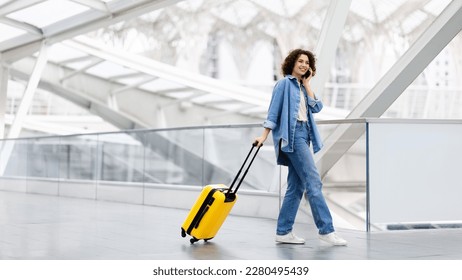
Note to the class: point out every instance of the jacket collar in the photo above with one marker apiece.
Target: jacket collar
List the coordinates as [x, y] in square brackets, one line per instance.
[291, 77]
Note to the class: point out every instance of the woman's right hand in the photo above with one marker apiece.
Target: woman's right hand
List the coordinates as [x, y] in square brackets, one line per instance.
[260, 140]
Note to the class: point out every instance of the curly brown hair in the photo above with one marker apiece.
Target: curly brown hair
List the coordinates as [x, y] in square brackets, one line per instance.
[289, 62]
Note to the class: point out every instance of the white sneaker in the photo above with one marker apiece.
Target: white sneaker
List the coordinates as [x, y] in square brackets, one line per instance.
[333, 239]
[289, 238]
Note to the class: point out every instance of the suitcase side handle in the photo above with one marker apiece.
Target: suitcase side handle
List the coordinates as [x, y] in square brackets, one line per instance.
[255, 144]
[202, 210]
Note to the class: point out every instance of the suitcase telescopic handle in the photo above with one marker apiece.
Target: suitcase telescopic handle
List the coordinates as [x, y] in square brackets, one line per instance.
[255, 144]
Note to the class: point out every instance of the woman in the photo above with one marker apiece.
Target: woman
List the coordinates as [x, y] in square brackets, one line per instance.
[290, 118]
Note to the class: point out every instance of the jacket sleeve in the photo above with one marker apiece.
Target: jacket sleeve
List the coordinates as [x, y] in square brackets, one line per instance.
[275, 107]
[315, 104]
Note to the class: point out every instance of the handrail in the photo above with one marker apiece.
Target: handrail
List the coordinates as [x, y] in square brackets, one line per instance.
[140, 130]
[249, 125]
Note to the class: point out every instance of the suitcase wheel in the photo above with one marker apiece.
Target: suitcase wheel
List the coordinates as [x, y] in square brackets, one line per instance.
[183, 233]
[193, 240]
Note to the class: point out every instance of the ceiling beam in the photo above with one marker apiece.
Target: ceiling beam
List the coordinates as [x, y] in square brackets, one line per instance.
[13, 6]
[134, 85]
[95, 91]
[126, 76]
[75, 59]
[22, 25]
[91, 20]
[166, 92]
[117, 118]
[95, 61]
[94, 4]
[331, 32]
[170, 73]
[184, 99]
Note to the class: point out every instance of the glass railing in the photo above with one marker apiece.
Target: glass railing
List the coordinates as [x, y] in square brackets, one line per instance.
[414, 178]
[393, 174]
[192, 156]
[127, 166]
[378, 174]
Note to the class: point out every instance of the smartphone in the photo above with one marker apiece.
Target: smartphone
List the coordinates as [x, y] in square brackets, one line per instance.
[307, 74]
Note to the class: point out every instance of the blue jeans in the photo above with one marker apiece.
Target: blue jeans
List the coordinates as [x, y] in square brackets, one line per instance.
[303, 177]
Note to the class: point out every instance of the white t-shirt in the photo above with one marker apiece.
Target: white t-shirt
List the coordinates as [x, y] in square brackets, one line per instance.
[302, 109]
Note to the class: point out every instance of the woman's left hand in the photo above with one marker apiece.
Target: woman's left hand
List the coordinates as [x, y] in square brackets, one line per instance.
[306, 80]
[306, 84]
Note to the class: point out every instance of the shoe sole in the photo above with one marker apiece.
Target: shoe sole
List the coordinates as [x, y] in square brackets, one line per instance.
[334, 244]
[288, 242]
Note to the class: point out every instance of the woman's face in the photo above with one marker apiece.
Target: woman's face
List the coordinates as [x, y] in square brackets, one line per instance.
[301, 66]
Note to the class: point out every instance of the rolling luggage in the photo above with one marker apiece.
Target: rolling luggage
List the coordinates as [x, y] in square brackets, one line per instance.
[213, 206]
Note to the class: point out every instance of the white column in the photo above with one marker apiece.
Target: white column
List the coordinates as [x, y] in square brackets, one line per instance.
[24, 106]
[161, 121]
[26, 100]
[3, 97]
[331, 33]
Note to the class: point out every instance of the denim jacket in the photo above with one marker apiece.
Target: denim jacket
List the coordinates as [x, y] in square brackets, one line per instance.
[282, 116]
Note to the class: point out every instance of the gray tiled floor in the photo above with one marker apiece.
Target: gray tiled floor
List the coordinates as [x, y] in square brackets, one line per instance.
[53, 228]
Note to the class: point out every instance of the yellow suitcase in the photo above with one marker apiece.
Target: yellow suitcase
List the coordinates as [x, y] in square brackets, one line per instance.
[212, 207]
[208, 213]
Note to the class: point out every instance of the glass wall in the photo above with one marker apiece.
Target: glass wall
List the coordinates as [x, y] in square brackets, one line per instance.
[156, 166]
[414, 170]
[121, 157]
[14, 164]
[192, 156]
